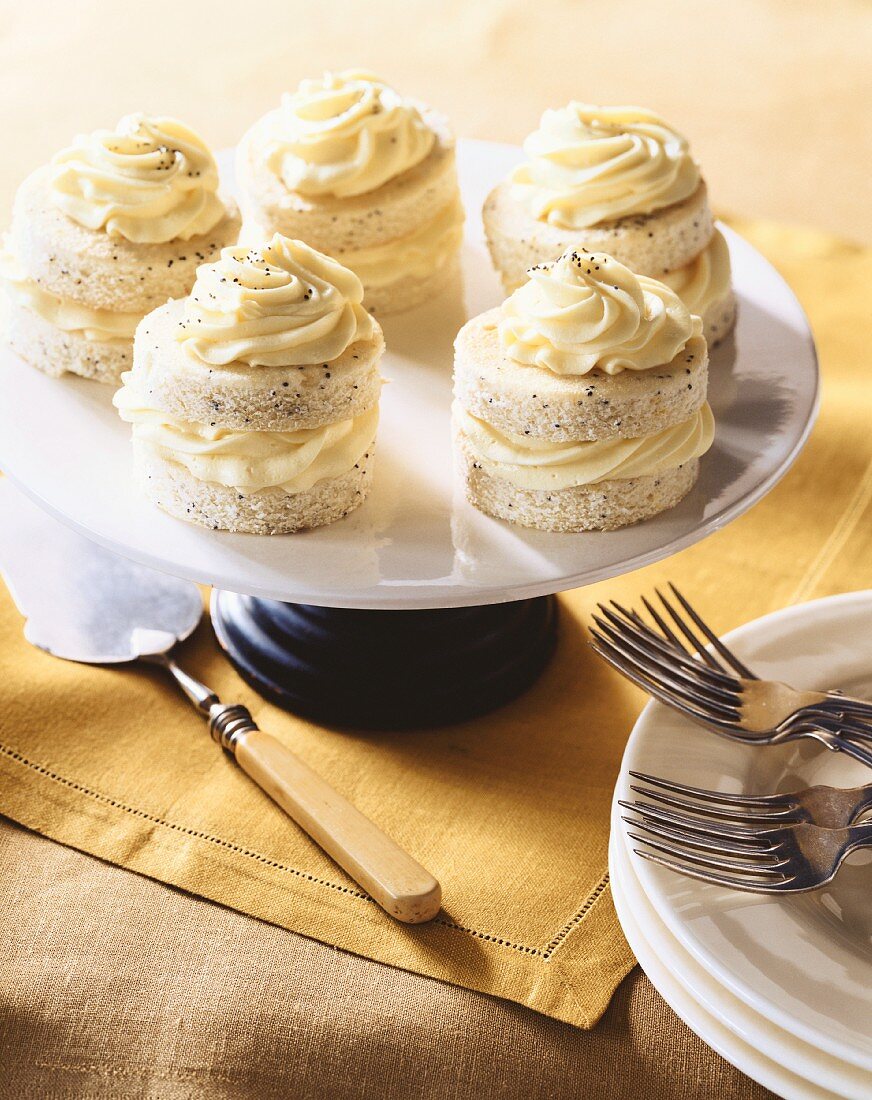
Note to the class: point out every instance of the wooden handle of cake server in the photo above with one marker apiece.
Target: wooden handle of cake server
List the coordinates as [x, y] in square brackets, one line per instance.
[400, 885]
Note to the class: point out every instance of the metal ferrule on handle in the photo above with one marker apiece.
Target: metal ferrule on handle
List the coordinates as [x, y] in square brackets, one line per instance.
[228, 722]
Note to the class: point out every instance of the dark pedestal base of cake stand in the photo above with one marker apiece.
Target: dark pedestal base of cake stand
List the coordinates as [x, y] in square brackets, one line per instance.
[386, 669]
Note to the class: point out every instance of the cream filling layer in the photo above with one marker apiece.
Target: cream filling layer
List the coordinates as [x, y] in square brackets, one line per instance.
[415, 255]
[249, 461]
[530, 463]
[706, 280]
[104, 325]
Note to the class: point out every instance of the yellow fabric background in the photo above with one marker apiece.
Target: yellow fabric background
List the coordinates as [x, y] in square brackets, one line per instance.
[773, 94]
[510, 811]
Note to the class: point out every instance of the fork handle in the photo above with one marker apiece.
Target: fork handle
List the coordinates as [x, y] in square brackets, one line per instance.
[842, 744]
[859, 836]
[836, 702]
[838, 724]
[864, 800]
[400, 885]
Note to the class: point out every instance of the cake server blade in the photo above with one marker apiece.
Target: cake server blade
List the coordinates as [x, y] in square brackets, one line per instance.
[82, 602]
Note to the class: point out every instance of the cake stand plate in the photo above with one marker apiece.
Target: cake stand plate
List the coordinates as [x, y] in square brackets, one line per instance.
[415, 545]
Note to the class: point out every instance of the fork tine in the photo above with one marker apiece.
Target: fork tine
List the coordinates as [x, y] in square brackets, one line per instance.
[630, 669]
[697, 643]
[724, 650]
[629, 613]
[698, 651]
[687, 687]
[677, 659]
[747, 835]
[627, 668]
[712, 844]
[636, 620]
[760, 870]
[735, 853]
[668, 632]
[732, 882]
[718, 796]
[778, 814]
[698, 716]
[674, 649]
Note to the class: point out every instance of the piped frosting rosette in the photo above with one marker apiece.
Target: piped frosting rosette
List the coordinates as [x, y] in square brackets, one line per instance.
[149, 180]
[591, 164]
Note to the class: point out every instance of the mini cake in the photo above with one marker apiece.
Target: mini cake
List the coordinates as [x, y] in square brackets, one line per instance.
[111, 228]
[254, 402]
[580, 403]
[366, 176]
[617, 180]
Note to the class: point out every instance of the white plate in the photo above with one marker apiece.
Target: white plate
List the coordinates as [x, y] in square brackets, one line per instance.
[416, 542]
[802, 962]
[747, 1043]
[753, 1044]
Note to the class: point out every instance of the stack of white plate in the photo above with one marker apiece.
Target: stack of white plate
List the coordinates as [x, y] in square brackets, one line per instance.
[780, 986]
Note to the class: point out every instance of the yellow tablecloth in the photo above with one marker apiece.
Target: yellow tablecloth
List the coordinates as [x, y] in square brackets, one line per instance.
[510, 811]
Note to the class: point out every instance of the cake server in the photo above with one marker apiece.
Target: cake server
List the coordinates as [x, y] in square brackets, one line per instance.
[83, 603]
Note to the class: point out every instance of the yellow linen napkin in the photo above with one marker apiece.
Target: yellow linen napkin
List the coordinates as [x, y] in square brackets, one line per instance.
[509, 811]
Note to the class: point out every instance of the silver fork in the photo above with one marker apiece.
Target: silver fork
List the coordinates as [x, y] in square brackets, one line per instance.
[717, 690]
[829, 807]
[758, 858]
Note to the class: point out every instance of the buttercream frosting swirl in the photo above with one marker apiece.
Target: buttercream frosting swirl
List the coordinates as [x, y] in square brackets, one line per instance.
[344, 134]
[281, 305]
[63, 313]
[587, 311]
[149, 180]
[531, 463]
[249, 461]
[595, 164]
[706, 279]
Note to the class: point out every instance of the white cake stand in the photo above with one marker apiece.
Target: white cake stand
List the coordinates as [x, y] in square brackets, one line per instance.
[478, 630]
